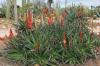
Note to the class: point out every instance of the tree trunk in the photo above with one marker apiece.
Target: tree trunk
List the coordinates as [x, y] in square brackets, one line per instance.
[15, 11]
[23, 2]
[33, 3]
[49, 5]
[8, 9]
[28, 1]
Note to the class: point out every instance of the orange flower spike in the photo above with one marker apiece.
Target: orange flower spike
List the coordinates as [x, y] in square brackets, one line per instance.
[62, 21]
[64, 40]
[50, 20]
[10, 34]
[29, 20]
[81, 36]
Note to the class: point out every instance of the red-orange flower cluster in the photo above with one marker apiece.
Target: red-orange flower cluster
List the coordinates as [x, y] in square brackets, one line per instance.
[64, 40]
[29, 20]
[62, 18]
[81, 36]
[62, 21]
[50, 21]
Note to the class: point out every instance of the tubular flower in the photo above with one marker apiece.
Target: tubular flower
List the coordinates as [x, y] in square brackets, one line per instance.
[10, 34]
[81, 36]
[64, 40]
[29, 20]
[62, 21]
[50, 20]
[70, 42]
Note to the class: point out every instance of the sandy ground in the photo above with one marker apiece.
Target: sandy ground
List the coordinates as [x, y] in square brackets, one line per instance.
[5, 25]
[94, 25]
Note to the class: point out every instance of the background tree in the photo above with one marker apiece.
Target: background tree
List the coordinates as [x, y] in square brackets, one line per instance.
[23, 2]
[3, 10]
[49, 3]
[8, 9]
[15, 11]
[28, 1]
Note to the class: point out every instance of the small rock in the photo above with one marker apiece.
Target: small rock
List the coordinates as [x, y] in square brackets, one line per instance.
[90, 63]
[97, 62]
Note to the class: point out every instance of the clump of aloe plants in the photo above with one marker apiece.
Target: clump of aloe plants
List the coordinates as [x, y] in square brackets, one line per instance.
[65, 42]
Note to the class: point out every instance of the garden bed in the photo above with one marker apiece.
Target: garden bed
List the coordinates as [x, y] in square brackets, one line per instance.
[68, 42]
